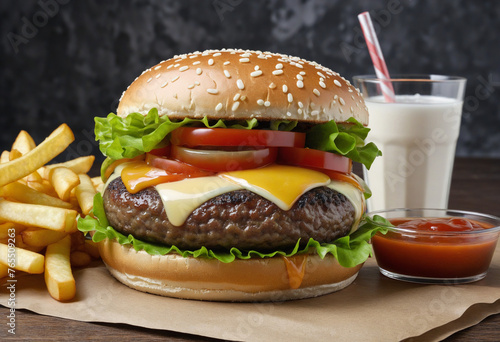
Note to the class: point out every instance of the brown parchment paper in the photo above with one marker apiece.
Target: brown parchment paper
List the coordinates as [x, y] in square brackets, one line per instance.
[373, 308]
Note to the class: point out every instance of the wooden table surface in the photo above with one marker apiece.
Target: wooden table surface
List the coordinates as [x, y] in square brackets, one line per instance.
[475, 187]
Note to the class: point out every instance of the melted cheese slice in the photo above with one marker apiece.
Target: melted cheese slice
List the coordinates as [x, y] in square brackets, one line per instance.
[354, 196]
[280, 184]
[182, 197]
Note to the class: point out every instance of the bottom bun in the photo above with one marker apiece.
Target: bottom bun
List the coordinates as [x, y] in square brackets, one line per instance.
[268, 279]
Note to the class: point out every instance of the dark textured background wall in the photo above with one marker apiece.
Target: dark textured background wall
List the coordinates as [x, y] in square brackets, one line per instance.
[68, 61]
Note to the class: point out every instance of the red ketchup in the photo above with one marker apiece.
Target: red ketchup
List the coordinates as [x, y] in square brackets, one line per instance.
[432, 251]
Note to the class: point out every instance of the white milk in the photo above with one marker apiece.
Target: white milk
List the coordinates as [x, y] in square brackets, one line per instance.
[417, 136]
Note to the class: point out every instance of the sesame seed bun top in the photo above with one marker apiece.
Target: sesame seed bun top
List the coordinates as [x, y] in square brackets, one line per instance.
[243, 84]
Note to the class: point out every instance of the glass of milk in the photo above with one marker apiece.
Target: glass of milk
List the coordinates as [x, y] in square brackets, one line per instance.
[417, 135]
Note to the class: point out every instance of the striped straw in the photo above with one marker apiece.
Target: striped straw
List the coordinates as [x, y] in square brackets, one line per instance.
[377, 57]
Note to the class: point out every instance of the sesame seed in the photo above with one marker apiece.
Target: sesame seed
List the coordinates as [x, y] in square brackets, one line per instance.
[341, 110]
[157, 75]
[236, 97]
[193, 56]
[299, 77]
[157, 67]
[302, 73]
[277, 72]
[212, 91]
[316, 92]
[210, 61]
[227, 63]
[337, 83]
[320, 74]
[267, 103]
[256, 73]
[290, 97]
[322, 84]
[184, 68]
[197, 83]
[335, 97]
[352, 97]
[196, 63]
[175, 78]
[240, 84]
[191, 86]
[149, 79]
[272, 85]
[301, 105]
[350, 90]
[341, 100]
[279, 66]
[216, 54]
[285, 88]
[176, 65]
[352, 110]
[244, 60]
[260, 102]
[245, 55]
[299, 65]
[288, 114]
[164, 85]
[235, 106]
[171, 65]
[299, 111]
[198, 71]
[218, 107]
[243, 98]
[300, 84]
[315, 112]
[256, 67]
[228, 75]
[262, 56]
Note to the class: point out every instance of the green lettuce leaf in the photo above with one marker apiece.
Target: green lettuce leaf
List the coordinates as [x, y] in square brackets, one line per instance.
[344, 139]
[136, 134]
[349, 250]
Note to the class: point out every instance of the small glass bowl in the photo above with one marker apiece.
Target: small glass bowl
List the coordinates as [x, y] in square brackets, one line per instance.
[436, 257]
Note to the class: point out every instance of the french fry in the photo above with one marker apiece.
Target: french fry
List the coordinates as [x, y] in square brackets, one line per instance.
[63, 180]
[80, 259]
[4, 271]
[41, 237]
[24, 260]
[23, 143]
[20, 243]
[26, 194]
[43, 187]
[58, 276]
[14, 154]
[35, 215]
[5, 229]
[5, 157]
[77, 165]
[57, 142]
[98, 183]
[85, 192]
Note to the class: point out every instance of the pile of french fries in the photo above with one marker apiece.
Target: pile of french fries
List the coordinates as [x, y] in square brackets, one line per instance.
[39, 206]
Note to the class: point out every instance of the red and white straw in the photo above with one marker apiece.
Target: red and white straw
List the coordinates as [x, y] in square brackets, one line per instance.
[377, 57]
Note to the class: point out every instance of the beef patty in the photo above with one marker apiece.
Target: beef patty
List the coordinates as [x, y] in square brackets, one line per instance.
[239, 219]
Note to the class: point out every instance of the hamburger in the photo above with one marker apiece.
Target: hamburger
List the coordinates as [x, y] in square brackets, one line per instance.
[228, 177]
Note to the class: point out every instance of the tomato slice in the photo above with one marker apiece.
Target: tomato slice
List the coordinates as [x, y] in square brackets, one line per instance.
[175, 166]
[195, 137]
[314, 158]
[162, 151]
[217, 160]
